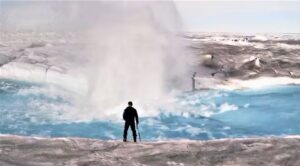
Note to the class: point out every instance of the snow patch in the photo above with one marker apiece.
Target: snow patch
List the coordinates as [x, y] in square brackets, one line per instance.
[260, 38]
[228, 107]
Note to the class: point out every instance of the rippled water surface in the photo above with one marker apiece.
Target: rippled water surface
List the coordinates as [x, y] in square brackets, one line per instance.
[30, 109]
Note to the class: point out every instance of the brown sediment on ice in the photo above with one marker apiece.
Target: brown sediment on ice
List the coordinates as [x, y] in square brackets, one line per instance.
[244, 57]
[31, 151]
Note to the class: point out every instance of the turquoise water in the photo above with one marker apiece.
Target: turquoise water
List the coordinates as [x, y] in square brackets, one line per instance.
[29, 109]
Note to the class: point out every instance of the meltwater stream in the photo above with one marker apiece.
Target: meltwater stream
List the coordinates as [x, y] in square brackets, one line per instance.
[39, 110]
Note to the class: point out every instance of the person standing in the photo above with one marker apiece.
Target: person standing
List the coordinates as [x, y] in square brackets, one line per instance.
[129, 116]
[194, 81]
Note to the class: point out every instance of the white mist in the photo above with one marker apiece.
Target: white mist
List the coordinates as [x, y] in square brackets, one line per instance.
[132, 50]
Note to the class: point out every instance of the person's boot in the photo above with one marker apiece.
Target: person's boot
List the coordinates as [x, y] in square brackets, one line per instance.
[134, 139]
[124, 140]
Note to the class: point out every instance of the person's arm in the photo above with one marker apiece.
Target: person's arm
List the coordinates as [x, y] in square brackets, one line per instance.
[124, 115]
[136, 117]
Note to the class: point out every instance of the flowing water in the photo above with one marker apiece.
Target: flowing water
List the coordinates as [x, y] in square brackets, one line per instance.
[29, 109]
[69, 68]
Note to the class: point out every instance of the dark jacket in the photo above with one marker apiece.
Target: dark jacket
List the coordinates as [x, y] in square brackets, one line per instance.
[129, 114]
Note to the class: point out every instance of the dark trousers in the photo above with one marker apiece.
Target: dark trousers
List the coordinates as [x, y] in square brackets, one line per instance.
[132, 126]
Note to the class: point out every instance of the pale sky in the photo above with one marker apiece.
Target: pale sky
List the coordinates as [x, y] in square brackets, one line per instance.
[230, 16]
[240, 16]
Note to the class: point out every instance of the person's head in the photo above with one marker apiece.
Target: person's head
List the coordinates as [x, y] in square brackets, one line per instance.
[130, 103]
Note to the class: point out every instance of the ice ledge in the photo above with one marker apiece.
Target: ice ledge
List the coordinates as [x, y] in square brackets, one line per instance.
[34, 151]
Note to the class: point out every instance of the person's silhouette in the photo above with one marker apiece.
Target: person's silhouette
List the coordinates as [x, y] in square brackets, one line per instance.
[130, 114]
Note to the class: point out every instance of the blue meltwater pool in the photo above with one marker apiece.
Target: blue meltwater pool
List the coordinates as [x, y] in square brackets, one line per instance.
[31, 109]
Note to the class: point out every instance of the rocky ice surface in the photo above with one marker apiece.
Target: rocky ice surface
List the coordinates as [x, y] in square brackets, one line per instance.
[30, 151]
[42, 57]
[56, 57]
[249, 56]
[235, 61]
